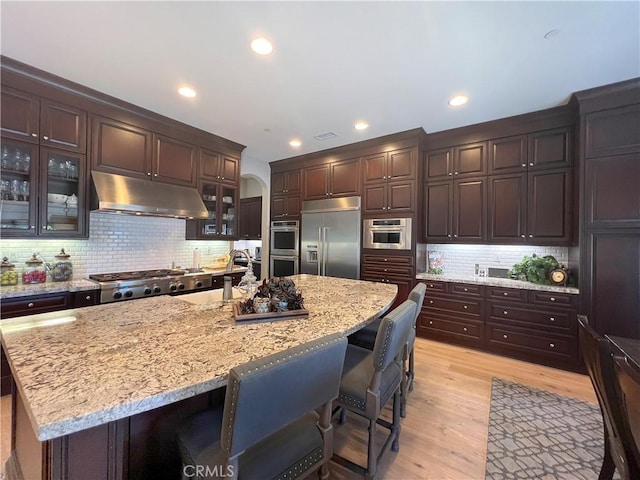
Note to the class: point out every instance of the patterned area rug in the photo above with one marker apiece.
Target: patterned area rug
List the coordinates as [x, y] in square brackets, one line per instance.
[535, 434]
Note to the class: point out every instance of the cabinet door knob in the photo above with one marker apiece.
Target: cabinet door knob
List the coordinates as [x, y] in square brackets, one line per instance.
[465, 307]
[530, 236]
[155, 174]
[449, 236]
[523, 235]
[450, 173]
[552, 345]
[34, 134]
[553, 299]
[221, 178]
[524, 164]
[148, 174]
[456, 235]
[431, 302]
[45, 137]
[88, 297]
[531, 164]
[455, 173]
[465, 290]
[430, 322]
[504, 336]
[464, 329]
[30, 304]
[505, 294]
[552, 319]
[505, 312]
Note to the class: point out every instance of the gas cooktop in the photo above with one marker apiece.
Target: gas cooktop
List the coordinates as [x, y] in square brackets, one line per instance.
[145, 283]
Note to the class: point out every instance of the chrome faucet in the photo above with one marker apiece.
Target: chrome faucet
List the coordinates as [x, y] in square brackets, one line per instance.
[233, 254]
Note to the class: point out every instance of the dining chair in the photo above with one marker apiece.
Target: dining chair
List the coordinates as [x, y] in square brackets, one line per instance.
[598, 360]
[629, 382]
[371, 378]
[269, 427]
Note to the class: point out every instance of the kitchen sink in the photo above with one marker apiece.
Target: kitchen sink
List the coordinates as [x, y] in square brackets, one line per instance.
[209, 296]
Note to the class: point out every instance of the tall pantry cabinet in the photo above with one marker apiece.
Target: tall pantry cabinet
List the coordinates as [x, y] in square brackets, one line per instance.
[610, 213]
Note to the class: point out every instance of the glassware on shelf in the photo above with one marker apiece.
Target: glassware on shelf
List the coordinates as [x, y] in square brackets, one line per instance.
[71, 169]
[26, 162]
[6, 189]
[25, 190]
[16, 190]
[5, 157]
[17, 160]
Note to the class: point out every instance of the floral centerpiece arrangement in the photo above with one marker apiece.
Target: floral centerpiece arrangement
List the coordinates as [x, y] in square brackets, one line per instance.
[277, 294]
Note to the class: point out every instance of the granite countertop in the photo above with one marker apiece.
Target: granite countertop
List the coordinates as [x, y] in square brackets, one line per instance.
[80, 368]
[21, 290]
[497, 282]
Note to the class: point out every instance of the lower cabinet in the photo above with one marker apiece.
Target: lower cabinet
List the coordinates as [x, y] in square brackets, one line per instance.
[532, 325]
[396, 269]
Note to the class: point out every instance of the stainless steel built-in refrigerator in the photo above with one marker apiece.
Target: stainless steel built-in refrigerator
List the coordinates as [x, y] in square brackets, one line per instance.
[330, 239]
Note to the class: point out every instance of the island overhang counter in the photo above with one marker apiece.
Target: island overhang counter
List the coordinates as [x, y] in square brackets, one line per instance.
[104, 377]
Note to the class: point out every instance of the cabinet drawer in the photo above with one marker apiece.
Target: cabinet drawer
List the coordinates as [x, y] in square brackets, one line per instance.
[86, 298]
[513, 294]
[453, 305]
[33, 305]
[533, 342]
[386, 270]
[467, 289]
[435, 286]
[534, 318]
[553, 299]
[388, 260]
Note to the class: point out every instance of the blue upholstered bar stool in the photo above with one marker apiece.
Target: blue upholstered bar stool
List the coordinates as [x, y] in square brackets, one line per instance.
[268, 427]
[371, 378]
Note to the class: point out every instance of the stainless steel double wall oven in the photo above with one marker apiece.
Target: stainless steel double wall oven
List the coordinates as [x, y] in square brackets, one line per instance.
[284, 250]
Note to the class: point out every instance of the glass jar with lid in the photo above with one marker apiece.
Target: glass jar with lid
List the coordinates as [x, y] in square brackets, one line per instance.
[35, 271]
[9, 276]
[62, 270]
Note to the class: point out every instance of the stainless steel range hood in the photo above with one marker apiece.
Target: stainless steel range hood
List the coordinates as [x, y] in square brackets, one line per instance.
[117, 193]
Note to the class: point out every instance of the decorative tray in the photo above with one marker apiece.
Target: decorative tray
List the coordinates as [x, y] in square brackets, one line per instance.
[258, 317]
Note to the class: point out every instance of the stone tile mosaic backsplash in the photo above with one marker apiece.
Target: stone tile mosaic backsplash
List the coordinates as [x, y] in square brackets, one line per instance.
[120, 243]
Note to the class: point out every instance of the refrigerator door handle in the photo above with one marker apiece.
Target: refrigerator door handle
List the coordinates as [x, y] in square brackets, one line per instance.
[319, 253]
[324, 250]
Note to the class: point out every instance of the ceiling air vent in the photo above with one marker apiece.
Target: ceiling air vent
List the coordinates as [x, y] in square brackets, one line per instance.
[325, 136]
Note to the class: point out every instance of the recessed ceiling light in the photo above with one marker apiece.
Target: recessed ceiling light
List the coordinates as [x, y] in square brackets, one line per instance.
[295, 142]
[187, 92]
[262, 46]
[361, 125]
[458, 100]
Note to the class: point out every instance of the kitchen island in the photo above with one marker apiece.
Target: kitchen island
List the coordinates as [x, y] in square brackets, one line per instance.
[100, 390]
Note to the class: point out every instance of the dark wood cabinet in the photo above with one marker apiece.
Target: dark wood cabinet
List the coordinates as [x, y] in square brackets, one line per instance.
[393, 197]
[126, 149]
[334, 179]
[388, 166]
[452, 313]
[396, 269]
[455, 210]
[536, 326]
[120, 148]
[610, 214]
[174, 161]
[534, 207]
[470, 160]
[438, 164]
[86, 298]
[251, 218]
[535, 151]
[286, 194]
[38, 120]
[219, 167]
[389, 182]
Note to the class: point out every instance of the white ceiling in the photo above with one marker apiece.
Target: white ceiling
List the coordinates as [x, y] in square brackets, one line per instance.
[393, 64]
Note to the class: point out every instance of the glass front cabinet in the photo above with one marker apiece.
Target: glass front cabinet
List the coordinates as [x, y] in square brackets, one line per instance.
[43, 191]
[222, 203]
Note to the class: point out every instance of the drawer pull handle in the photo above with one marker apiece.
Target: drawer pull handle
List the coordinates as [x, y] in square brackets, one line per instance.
[430, 322]
[465, 307]
[431, 285]
[431, 302]
[505, 294]
[552, 319]
[552, 345]
[464, 329]
[466, 290]
[504, 336]
[30, 304]
[88, 297]
[553, 299]
[505, 312]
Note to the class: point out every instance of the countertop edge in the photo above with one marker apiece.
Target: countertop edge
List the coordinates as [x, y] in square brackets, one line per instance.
[497, 282]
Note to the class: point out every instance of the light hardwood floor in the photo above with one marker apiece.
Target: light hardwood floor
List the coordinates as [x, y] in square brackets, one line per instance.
[444, 435]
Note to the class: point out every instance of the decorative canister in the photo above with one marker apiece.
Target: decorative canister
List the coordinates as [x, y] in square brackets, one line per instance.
[62, 270]
[34, 272]
[261, 305]
[9, 275]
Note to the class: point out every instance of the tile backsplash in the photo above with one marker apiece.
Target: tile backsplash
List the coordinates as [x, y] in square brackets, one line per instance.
[461, 259]
[121, 243]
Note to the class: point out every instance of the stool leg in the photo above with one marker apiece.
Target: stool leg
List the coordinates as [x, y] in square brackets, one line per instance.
[372, 460]
[411, 370]
[403, 394]
[395, 446]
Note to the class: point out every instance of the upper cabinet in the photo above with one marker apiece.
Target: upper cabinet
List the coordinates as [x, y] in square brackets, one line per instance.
[332, 179]
[390, 182]
[286, 194]
[536, 151]
[456, 162]
[126, 149]
[32, 119]
[220, 167]
[390, 166]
